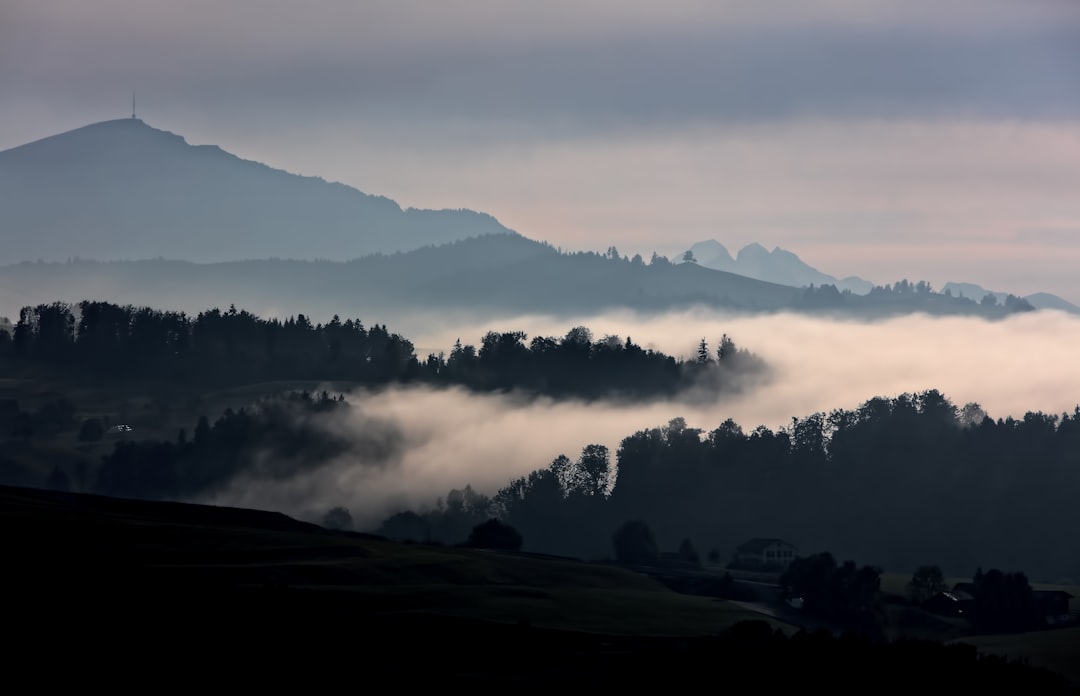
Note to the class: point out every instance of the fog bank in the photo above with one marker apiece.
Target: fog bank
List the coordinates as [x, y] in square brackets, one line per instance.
[452, 438]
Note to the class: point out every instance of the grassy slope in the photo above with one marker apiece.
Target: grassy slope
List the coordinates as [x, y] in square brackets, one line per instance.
[1054, 649]
[54, 538]
[1058, 650]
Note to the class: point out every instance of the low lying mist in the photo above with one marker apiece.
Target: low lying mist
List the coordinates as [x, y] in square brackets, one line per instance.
[450, 438]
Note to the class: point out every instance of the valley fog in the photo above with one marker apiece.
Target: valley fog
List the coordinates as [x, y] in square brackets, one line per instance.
[450, 438]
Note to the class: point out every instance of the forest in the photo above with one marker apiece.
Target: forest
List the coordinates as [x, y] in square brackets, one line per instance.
[896, 482]
[237, 347]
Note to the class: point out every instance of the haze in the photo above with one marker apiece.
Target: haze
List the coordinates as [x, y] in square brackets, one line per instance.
[452, 438]
[886, 139]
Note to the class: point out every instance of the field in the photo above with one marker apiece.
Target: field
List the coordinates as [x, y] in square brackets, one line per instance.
[86, 559]
[200, 546]
[1058, 649]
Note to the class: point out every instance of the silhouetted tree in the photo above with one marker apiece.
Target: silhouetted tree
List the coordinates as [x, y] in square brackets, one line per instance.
[1004, 601]
[846, 594]
[338, 518]
[926, 582]
[494, 534]
[58, 480]
[634, 543]
[688, 553]
[91, 430]
[703, 356]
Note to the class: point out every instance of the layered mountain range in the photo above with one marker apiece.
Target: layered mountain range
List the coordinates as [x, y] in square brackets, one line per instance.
[776, 266]
[786, 268]
[128, 213]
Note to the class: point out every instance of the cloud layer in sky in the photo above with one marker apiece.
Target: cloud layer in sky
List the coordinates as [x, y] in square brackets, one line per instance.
[929, 140]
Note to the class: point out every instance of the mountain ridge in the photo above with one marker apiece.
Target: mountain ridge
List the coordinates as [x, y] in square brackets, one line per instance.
[125, 190]
[776, 266]
[496, 275]
[1038, 300]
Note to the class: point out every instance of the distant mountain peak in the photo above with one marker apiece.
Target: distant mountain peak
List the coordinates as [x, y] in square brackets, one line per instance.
[712, 254]
[754, 250]
[776, 266]
[122, 189]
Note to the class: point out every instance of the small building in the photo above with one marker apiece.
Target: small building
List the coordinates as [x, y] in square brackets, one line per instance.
[1053, 606]
[764, 554]
[967, 587]
[954, 603]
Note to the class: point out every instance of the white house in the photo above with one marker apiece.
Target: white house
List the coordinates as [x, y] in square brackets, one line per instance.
[764, 554]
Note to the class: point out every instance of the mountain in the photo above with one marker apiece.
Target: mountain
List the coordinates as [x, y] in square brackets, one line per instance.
[124, 190]
[776, 266]
[493, 275]
[1038, 300]
[713, 254]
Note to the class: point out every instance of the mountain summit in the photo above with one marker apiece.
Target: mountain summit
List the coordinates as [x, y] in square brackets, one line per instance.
[776, 266]
[124, 190]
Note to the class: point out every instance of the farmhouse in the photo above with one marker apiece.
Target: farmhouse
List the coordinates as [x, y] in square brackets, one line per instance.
[764, 554]
[955, 603]
[1053, 606]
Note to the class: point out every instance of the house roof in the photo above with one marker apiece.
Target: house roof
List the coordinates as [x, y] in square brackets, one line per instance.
[956, 596]
[760, 544]
[1052, 593]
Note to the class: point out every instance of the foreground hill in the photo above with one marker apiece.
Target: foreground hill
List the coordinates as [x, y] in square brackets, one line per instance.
[79, 545]
[124, 190]
[493, 274]
[126, 593]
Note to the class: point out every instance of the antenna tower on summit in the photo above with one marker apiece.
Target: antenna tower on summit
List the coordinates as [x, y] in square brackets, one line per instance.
[133, 103]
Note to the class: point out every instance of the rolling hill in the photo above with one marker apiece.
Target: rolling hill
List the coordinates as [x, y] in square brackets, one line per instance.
[135, 592]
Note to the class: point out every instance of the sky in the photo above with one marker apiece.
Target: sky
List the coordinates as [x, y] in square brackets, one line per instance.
[924, 139]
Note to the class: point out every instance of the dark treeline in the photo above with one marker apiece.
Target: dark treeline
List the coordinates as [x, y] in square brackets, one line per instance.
[905, 296]
[897, 482]
[236, 346]
[236, 444]
[277, 437]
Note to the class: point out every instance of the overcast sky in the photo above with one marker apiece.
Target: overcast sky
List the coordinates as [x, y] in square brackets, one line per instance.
[935, 140]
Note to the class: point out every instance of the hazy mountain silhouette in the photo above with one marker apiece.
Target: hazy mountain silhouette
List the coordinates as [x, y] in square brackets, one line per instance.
[1038, 300]
[776, 266]
[124, 190]
[493, 274]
